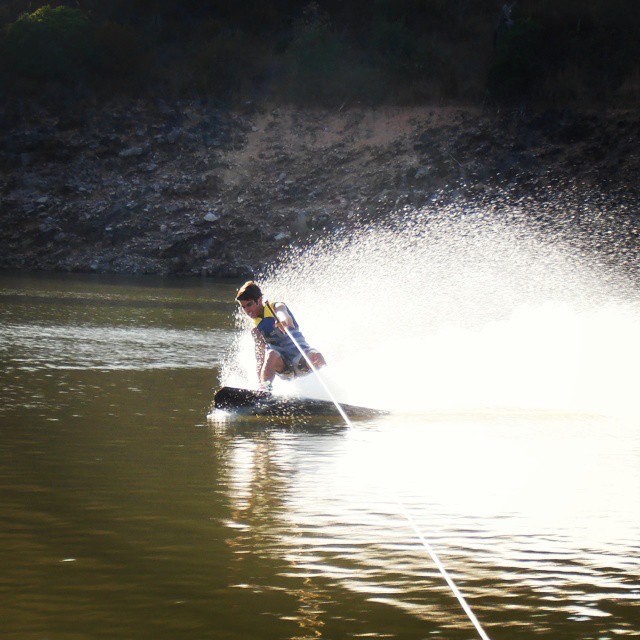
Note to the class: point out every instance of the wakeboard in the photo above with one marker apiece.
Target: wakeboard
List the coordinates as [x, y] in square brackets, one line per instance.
[233, 399]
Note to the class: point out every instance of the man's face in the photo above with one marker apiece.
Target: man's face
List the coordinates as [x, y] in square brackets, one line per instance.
[253, 308]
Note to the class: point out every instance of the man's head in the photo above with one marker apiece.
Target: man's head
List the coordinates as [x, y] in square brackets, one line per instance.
[249, 297]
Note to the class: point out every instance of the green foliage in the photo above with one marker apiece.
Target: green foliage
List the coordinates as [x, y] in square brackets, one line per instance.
[322, 66]
[518, 62]
[119, 51]
[325, 51]
[411, 61]
[395, 46]
[226, 63]
[50, 44]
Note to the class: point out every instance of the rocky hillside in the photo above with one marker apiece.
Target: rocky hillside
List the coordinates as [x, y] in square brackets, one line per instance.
[191, 189]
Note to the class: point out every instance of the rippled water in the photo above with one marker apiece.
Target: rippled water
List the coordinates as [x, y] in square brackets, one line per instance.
[127, 514]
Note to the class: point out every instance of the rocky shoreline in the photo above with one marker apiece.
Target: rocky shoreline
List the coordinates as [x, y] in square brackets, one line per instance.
[193, 189]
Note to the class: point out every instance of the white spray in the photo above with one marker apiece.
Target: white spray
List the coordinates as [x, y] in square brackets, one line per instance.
[458, 312]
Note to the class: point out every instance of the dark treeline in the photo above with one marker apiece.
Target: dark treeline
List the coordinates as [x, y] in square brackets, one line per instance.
[582, 52]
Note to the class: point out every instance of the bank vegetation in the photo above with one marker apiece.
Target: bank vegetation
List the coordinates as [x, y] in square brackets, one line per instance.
[327, 52]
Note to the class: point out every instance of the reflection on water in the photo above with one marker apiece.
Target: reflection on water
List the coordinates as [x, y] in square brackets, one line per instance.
[540, 534]
[69, 323]
[87, 347]
[126, 515]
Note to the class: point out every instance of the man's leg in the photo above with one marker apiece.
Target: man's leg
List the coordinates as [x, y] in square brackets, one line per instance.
[301, 367]
[273, 364]
[317, 359]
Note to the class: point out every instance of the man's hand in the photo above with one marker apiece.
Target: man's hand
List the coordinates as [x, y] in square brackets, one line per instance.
[283, 320]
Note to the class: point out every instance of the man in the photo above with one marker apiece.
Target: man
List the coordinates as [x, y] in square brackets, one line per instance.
[274, 327]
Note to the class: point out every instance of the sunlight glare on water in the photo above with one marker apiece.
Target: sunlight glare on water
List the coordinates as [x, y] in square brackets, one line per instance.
[125, 514]
[460, 312]
[507, 358]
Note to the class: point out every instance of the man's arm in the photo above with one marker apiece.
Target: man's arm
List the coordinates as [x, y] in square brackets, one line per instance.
[283, 316]
[260, 348]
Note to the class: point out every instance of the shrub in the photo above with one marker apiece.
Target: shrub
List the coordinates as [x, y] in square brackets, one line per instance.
[414, 66]
[49, 44]
[518, 61]
[226, 63]
[322, 66]
[119, 51]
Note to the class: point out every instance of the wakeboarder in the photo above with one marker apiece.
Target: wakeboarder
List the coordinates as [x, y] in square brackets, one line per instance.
[279, 343]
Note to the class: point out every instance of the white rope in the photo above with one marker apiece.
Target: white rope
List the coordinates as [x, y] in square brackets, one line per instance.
[315, 370]
[407, 515]
[444, 572]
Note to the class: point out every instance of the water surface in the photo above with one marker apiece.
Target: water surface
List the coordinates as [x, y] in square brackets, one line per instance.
[127, 514]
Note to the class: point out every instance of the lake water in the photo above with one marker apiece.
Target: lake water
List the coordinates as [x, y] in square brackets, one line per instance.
[126, 513]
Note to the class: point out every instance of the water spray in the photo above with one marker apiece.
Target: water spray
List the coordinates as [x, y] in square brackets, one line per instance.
[513, 315]
[434, 556]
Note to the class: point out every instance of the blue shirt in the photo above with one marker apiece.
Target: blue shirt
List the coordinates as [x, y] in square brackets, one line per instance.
[277, 340]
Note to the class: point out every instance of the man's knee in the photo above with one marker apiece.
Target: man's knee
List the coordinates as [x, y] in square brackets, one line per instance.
[317, 359]
[273, 362]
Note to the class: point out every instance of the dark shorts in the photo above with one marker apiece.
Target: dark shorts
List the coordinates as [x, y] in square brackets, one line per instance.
[297, 367]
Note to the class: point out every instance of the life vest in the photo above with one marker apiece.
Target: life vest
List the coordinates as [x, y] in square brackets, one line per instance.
[276, 339]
